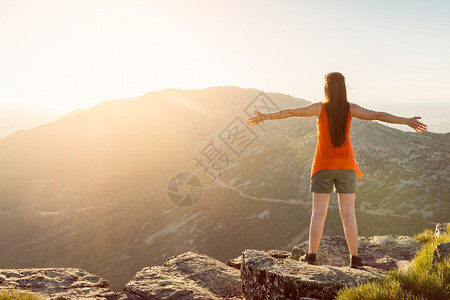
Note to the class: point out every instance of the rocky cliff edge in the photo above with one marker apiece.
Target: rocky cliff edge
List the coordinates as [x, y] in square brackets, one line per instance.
[256, 274]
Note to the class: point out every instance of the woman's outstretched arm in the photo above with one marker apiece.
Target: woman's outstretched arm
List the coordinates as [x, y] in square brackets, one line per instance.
[366, 114]
[305, 111]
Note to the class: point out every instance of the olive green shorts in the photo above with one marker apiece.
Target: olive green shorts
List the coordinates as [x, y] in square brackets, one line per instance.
[344, 181]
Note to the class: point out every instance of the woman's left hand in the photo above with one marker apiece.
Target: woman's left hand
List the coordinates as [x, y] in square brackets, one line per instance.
[415, 124]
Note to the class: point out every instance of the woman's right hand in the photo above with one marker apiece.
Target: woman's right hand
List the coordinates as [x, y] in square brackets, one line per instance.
[256, 119]
[415, 124]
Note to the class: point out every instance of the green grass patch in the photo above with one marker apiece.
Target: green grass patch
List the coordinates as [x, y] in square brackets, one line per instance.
[425, 236]
[423, 280]
[19, 295]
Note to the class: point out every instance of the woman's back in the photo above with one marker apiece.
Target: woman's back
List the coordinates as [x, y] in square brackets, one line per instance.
[329, 157]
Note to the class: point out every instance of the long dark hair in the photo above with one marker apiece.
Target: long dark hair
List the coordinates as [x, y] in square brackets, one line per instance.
[337, 107]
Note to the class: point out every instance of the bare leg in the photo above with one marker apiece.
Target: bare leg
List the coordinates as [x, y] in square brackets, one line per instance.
[347, 211]
[318, 215]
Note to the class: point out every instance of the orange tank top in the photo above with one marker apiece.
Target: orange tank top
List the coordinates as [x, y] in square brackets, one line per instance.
[328, 157]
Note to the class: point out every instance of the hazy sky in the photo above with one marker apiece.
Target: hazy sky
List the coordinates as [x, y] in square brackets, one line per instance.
[71, 54]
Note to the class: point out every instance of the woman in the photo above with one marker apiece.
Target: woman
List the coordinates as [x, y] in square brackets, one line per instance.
[334, 161]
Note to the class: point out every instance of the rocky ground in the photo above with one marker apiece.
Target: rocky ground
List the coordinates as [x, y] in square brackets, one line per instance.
[256, 274]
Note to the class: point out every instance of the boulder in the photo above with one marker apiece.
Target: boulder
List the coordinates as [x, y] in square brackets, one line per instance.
[57, 283]
[441, 252]
[381, 252]
[266, 277]
[441, 228]
[189, 275]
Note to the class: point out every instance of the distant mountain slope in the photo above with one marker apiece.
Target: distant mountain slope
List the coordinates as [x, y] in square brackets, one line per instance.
[90, 190]
[14, 118]
[101, 150]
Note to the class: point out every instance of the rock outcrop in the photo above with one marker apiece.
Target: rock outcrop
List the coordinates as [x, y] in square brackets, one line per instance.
[187, 276]
[272, 274]
[441, 252]
[266, 277]
[441, 228]
[256, 274]
[57, 283]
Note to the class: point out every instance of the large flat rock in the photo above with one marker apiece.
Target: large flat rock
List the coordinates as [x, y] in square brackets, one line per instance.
[266, 277]
[381, 252]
